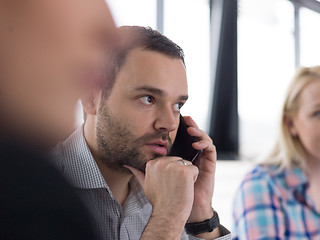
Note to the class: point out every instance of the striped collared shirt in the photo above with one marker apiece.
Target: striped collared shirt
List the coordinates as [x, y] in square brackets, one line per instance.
[113, 221]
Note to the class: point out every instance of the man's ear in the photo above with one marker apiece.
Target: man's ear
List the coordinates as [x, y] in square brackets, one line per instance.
[91, 101]
[289, 122]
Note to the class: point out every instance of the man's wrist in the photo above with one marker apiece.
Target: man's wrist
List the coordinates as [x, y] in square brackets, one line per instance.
[163, 226]
[207, 226]
[170, 216]
[173, 219]
[200, 214]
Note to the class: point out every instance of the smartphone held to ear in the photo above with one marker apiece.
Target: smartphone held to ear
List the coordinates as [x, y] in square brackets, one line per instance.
[182, 146]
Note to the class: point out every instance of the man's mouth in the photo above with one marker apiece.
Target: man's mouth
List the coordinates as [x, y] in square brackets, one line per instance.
[158, 146]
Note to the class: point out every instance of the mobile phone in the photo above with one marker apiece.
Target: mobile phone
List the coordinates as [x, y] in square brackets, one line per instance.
[182, 146]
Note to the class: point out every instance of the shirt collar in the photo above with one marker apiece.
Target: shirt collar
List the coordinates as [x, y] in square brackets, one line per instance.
[79, 165]
[295, 178]
[136, 199]
[83, 172]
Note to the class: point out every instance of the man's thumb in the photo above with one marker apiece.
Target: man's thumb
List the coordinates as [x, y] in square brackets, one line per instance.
[138, 174]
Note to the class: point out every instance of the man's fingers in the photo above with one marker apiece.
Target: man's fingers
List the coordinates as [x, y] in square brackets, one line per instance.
[138, 174]
[184, 162]
[200, 134]
[190, 122]
[204, 145]
[195, 171]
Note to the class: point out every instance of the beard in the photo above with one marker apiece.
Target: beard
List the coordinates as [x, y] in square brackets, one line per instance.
[118, 146]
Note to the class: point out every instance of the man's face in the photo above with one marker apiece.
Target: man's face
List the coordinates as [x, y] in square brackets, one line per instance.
[49, 51]
[139, 120]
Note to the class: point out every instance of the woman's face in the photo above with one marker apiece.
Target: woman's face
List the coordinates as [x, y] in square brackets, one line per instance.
[306, 124]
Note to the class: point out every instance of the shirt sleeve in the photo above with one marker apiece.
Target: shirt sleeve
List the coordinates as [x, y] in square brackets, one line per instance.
[225, 235]
[257, 210]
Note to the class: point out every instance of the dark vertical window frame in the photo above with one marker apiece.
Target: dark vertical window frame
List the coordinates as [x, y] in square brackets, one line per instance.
[224, 120]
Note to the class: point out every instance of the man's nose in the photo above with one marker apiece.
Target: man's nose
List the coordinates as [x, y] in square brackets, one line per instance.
[167, 120]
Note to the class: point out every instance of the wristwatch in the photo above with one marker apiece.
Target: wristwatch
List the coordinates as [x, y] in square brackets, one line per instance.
[208, 225]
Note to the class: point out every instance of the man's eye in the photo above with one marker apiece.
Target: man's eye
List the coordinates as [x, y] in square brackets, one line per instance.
[148, 100]
[177, 106]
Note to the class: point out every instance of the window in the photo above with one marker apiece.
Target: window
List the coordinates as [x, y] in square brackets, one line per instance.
[187, 22]
[269, 47]
[265, 66]
[137, 12]
[310, 37]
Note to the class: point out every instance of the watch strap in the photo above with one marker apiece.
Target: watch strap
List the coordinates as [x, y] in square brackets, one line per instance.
[208, 225]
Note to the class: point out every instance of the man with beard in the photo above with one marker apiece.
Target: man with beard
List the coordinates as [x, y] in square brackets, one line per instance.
[118, 159]
[48, 50]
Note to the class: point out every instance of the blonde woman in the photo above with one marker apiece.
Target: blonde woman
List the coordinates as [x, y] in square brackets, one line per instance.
[280, 198]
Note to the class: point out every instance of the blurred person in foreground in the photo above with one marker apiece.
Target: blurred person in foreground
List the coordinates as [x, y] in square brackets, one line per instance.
[48, 52]
[131, 121]
[280, 198]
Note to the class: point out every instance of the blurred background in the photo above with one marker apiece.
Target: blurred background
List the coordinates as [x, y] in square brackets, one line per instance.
[240, 57]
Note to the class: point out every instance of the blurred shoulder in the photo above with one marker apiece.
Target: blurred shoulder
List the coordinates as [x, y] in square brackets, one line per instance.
[265, 179]
[264, 173]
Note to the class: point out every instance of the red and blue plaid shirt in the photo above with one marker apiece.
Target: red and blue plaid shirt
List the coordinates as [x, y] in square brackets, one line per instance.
[273, 204]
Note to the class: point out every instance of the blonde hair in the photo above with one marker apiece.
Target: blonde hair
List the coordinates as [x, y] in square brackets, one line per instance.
[289, 151]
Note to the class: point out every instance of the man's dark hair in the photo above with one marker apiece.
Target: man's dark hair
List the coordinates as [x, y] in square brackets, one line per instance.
[136, 37]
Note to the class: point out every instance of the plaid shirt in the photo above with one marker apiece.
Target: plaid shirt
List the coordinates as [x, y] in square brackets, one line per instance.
[274, 204]
[112, 220]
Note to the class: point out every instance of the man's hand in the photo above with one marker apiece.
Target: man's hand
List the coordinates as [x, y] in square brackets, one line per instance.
[169, 186]
[204, 186]
[180, 193]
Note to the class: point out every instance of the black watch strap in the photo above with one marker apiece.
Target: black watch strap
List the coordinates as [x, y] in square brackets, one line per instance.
[208, 225]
